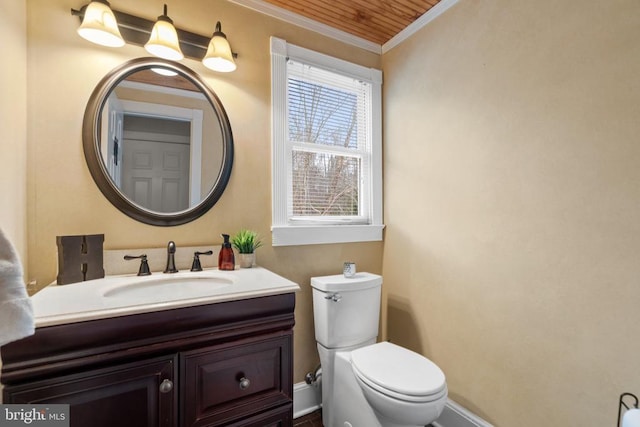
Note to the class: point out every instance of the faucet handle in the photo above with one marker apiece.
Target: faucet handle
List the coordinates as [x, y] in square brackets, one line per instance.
[144, 265]
[196, 266]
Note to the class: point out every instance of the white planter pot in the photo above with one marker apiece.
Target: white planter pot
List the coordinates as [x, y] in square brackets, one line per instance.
[247, 260]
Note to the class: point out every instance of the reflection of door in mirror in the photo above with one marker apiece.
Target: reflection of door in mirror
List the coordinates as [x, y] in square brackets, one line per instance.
[154, 151]
[155, 162]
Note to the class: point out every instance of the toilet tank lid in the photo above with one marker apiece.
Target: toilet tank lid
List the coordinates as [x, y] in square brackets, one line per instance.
[339, 283]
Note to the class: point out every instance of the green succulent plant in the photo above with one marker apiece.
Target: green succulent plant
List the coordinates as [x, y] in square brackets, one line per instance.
[246, 241]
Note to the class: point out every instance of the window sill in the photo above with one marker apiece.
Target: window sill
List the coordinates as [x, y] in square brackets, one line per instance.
[325, 234]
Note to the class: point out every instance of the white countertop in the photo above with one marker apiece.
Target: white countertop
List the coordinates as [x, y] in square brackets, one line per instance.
[115, 296]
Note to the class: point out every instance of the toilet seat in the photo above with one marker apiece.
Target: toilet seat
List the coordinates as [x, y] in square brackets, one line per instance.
[398, 373]
[397, 396]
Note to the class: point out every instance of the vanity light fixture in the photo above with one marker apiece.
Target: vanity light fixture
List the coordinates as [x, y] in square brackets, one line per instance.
[219, 56]
[160, 38]
[164, 39]
[99, 25]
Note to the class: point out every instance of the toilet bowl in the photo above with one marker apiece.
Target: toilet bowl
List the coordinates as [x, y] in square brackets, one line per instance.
[402, 387]
[367, 384]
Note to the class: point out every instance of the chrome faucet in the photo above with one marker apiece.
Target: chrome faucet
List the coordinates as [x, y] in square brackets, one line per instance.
[171, 261]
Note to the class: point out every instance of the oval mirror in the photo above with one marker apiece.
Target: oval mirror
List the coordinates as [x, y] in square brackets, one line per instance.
[157, 141]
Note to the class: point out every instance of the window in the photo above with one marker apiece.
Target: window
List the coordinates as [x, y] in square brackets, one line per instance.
[327, 166]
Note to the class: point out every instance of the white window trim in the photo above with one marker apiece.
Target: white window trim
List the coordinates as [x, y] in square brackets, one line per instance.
[284, 233]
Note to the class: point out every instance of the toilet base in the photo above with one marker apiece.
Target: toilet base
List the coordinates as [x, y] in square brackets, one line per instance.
[344, 402]
[348, 403]
[330, 389]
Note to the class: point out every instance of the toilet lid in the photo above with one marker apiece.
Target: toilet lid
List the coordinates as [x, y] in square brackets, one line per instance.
[397, 369]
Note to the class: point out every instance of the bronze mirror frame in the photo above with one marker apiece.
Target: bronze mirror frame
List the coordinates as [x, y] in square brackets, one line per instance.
[91, 144]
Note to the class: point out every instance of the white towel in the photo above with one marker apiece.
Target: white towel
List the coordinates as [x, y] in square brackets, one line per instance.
[16, 312]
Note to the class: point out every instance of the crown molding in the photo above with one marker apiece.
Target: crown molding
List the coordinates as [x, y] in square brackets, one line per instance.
[414, 27]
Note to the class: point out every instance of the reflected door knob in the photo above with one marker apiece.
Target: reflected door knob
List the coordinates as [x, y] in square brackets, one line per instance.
[166, 386]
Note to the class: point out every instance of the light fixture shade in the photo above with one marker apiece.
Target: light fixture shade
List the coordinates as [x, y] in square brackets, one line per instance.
[99, 25]
[164, 39]
[219, 56]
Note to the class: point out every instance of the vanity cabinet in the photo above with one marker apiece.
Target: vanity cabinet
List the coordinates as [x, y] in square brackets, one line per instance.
[222, 364]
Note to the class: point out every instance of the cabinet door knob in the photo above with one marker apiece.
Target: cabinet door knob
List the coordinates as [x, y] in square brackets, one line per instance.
[166, 386]
[244, 383]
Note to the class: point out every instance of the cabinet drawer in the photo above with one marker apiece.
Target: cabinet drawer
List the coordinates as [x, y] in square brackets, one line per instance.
[223, 383]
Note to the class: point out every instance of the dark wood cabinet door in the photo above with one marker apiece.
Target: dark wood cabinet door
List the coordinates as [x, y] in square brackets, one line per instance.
[221, 385]
[127, 395]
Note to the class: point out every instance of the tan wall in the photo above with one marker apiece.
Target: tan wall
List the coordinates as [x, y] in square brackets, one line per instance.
[512, 196]
[63, 70]
[13, 118]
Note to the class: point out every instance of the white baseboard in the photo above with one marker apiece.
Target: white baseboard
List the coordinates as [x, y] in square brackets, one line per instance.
[455, 415]
[306, 399]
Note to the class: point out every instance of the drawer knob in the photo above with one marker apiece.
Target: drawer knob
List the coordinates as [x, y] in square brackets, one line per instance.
[166, 386]
[244, 383]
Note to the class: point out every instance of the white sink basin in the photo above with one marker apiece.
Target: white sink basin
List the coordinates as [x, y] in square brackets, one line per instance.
[124, 295]
[168, 287]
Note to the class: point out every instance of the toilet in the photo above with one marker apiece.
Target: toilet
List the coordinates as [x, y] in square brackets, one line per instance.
[364, 383]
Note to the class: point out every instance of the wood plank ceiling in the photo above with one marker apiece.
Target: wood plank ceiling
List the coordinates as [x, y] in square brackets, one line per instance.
[374, 20]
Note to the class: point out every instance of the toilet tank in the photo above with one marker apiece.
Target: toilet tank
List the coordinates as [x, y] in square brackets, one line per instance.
[346, 311]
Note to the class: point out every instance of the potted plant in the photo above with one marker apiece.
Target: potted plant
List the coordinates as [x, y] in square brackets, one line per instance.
[246, 242]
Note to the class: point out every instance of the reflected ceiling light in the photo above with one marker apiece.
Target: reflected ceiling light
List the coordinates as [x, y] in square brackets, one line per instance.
[164, 72]
[164, 39]
[99, 25]
[219, 56]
